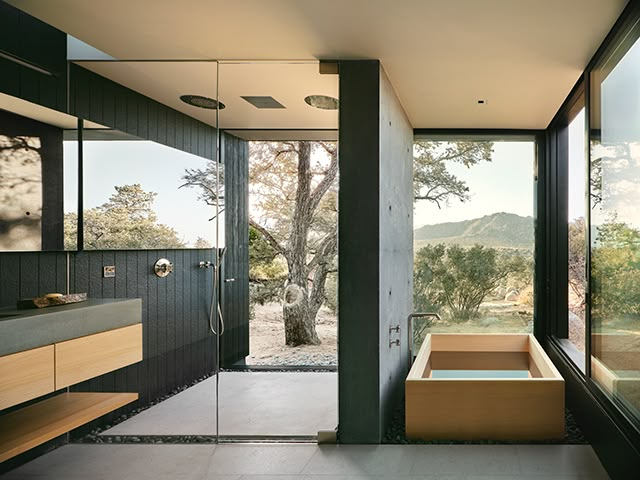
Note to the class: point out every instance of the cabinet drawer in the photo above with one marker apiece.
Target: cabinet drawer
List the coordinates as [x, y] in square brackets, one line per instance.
[26, 375]
[87, 357]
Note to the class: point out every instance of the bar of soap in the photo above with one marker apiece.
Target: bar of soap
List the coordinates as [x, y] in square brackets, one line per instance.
[53, 295]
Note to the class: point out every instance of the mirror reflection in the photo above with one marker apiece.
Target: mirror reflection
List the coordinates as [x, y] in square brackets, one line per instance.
[139, 194]
[34, 172]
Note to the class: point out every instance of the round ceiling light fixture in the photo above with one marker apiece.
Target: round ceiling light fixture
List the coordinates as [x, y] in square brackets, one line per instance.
[322, 102]
[202, 102]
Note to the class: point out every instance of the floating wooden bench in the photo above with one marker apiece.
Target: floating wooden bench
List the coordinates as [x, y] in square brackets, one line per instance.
[33, 425]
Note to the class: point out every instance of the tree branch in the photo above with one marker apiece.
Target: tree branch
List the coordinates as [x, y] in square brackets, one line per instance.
[325, 183]
[326, 250]
[270, 238]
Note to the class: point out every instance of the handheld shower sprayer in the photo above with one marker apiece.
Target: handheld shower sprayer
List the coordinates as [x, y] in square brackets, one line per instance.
[215, 298]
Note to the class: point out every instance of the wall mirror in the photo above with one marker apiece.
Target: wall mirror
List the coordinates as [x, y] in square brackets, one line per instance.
[38, 177]
[139, 194]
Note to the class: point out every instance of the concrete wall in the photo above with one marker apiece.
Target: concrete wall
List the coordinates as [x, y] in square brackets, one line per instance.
[375, 245]
[396, 244]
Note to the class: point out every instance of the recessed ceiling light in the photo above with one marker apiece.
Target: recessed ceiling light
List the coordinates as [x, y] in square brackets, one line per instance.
[202, 102]
[322, 102]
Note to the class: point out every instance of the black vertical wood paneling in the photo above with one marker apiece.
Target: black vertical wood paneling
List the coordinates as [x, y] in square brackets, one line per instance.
[35, 42]
[235, 295]
[98, 99]
[9, 278]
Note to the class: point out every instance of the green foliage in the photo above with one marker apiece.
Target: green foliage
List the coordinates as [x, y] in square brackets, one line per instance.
[577, 262]
[431, 179]
[615, 265]
[267, 271]
[126, 221]
[459, 279]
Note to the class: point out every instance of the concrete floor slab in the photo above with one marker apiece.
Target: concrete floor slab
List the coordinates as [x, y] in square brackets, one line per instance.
[297, 462]
[251, 403]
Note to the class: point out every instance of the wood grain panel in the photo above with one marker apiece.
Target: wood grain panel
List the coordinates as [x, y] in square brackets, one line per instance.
[31, 426]
[541, 360]
[87, 357]
[531, 409]
[487, 342]
[26, 375]
[494, 409]
[479, 361]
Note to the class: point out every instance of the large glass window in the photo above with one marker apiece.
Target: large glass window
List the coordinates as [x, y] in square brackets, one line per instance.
[577, 231]
[615, 228]
[474, 235]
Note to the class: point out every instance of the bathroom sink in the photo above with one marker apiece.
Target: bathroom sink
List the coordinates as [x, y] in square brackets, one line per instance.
[32, 328]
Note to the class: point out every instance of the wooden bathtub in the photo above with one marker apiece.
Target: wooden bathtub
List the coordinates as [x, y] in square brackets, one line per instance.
[528, 408]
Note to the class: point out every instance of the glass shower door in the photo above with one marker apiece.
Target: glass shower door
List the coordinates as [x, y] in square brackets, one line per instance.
[152, 183]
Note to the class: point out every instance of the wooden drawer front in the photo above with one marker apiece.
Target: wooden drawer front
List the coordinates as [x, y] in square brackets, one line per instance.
[26, 375]
[87, 357]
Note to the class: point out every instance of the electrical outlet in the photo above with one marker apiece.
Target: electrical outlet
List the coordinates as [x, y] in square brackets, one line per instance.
[109, 271]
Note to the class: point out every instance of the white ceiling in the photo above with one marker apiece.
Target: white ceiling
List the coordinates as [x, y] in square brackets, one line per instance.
[522, 57]
[288, 83]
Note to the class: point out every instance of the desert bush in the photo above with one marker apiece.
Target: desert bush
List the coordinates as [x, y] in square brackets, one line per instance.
[459, 279]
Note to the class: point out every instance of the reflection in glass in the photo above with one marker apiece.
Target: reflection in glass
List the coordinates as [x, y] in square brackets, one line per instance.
[20, 192]
[474, 236]
[615, 239]
[140, 194]
[33, 178]
[577, 231]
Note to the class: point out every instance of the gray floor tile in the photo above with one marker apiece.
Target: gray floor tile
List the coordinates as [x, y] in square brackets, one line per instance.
[560, 460]
[260, 459]
[361, 460]
[466, 460]
[265, 403]
[530, 477]
[312, 462]
[106, 462]
[352, 477]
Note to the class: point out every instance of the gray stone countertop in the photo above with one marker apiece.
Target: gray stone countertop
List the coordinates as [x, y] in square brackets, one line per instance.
[26, 329]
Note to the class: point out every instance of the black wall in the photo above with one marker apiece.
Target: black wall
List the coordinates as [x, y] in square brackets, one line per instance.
[234, 345]
[100, 100]
[178, 347]
[37, 43]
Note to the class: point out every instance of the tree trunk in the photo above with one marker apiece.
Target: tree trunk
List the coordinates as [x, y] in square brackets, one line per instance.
[299, 318]
[303, 296]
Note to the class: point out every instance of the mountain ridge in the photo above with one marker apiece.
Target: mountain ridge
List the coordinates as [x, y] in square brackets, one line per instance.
[500, 229]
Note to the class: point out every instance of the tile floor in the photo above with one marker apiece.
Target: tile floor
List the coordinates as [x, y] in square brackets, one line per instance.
[251, 403]
[313, 462]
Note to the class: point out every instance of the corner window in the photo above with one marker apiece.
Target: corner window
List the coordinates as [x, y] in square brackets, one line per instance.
[615, 227]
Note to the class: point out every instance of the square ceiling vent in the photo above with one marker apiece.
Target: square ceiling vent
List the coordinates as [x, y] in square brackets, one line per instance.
[263, 102]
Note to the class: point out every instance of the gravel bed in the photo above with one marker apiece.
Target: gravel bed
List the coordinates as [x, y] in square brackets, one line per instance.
[395, 434]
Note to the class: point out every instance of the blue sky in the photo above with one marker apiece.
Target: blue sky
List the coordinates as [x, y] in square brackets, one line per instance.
[503, 185]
